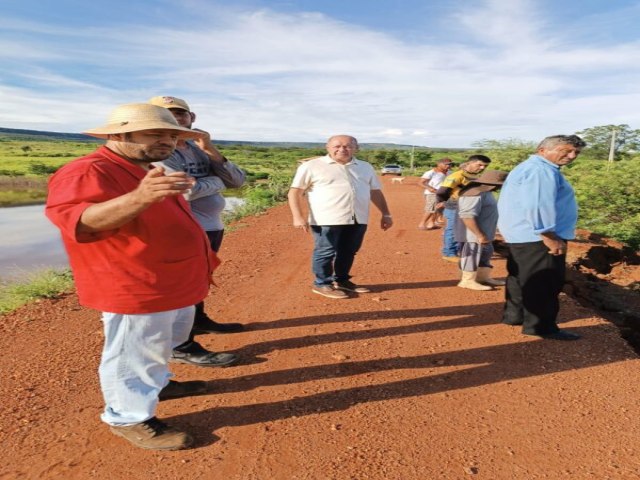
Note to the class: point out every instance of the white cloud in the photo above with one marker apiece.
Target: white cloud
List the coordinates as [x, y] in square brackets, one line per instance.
[262, 75]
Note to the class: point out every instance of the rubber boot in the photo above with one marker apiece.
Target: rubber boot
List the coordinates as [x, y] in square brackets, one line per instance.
[469, 281]
[484, 277]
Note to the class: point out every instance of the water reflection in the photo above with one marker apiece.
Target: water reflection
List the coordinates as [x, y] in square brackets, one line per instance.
[29, 242]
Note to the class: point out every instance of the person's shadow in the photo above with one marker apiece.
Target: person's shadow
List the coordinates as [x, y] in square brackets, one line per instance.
[460, 316]
[478, 366]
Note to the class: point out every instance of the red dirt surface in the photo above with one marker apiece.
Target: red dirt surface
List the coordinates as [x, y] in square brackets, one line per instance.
[417, 380]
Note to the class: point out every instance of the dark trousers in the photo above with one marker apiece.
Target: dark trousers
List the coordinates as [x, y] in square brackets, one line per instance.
[335, 247]
[535, 280]
[215, 239]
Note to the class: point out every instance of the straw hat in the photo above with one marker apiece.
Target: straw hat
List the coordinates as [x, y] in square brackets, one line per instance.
[489, 180]
[134, 117]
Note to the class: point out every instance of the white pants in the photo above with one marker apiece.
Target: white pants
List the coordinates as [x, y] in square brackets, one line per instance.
[134, 364]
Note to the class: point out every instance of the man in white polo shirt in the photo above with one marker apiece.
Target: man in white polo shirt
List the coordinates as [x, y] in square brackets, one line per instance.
[338, 188]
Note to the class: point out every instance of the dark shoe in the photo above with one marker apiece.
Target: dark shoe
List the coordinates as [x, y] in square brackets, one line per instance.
[195, 354]
[205, 325]
[511, 322]
[182, 389]
[153, 435]
[349, 286]
[328, 291]
[559, 335]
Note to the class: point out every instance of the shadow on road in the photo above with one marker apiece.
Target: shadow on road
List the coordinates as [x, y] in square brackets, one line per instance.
[484, 365]
[485, 314]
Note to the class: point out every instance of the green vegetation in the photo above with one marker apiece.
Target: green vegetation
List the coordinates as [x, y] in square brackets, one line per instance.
[609, 197]
[20, 157]
[607, 192]
[44, 284]
[627, 141]
[260, 196]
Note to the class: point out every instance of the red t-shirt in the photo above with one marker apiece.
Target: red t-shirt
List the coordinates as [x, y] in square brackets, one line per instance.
[161, 260]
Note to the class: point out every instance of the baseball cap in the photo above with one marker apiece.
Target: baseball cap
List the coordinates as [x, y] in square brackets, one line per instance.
[169, 102]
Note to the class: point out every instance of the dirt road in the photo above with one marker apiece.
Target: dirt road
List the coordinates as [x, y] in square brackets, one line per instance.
[414, 381]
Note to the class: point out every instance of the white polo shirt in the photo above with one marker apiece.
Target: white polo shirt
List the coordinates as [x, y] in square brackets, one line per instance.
[338, 194]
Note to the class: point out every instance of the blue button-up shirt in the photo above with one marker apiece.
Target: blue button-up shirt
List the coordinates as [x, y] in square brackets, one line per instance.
[535, 199]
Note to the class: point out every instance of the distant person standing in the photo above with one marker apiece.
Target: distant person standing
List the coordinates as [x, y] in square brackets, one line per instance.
[337, 190]
[475, 230]
[431, 181]
[213, 173]
[448, 197]
[537, 215]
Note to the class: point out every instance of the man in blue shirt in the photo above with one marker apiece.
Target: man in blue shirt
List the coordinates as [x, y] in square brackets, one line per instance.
[537, 215]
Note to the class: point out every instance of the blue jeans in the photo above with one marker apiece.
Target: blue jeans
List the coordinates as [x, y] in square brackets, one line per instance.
[133, 368]
[335, 247]
[449, 245]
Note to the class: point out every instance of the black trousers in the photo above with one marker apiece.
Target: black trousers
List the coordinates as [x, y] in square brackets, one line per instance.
[535, 280]
[215, 239]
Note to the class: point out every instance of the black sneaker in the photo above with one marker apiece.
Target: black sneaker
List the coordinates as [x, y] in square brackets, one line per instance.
[182, 389]
[204, 325]
[349, 286]
[193, 353]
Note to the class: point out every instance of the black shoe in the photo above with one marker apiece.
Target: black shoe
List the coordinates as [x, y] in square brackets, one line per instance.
[559, 335]
[507, 321]
[349, 286]
[193, 353]
[182, 389]
[205, 325]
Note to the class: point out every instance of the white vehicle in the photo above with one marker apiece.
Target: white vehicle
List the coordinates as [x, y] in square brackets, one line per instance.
[391, 169]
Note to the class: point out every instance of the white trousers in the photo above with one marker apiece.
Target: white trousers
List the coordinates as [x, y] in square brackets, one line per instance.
[134, 364]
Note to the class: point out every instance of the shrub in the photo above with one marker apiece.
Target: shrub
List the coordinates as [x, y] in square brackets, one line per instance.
[38, 168]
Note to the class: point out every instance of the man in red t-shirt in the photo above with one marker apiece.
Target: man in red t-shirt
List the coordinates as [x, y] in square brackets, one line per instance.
[138, 255]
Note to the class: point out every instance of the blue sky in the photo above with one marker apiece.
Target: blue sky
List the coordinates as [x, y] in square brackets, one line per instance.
[442, 73]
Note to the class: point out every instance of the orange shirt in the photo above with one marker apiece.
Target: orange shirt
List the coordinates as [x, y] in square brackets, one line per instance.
[161, 260]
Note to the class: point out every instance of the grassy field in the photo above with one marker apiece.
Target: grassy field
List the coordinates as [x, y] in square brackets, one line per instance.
[608, 194]
[26, 157]
[608, 207]
[25, 163]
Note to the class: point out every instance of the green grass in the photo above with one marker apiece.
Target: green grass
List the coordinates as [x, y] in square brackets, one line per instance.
[44, 284]
[608, 199]
[261, 196]
[21, 157]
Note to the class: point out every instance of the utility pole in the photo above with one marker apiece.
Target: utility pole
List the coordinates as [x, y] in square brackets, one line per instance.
[612, 148]
[413, 150]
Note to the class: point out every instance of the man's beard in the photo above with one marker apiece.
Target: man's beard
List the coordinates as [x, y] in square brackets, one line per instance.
[158, 157]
